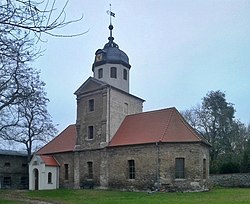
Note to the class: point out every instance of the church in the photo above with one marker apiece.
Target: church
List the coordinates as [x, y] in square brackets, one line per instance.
[115, 145]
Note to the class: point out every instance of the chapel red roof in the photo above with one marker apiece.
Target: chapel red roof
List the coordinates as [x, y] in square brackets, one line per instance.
[166, 125]
[64, 142]
[49, 160]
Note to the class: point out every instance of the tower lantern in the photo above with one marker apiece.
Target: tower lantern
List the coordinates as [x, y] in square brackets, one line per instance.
[111, 64]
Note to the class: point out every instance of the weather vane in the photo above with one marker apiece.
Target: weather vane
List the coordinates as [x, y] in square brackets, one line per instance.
[111, 14]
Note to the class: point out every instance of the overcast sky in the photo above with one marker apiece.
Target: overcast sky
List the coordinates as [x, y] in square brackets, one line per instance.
[179, 51]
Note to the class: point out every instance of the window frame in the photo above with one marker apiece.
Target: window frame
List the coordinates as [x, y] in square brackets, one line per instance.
[113, 72]
[90, 170]
[49, 178]
[125, 108]
[131, 169]
[90, 132]
[66, 171]
[24, 181]
[204, 168]
[125, 74]
[7, 182]
[180, 168]
[100, 73]
[91, 105]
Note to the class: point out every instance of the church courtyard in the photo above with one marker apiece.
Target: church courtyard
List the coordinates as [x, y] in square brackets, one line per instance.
[66, 196]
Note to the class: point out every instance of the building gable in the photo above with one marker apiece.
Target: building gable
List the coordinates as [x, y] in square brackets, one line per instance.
[89, 85]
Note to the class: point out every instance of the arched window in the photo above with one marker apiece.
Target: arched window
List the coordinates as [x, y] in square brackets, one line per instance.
[49, 177]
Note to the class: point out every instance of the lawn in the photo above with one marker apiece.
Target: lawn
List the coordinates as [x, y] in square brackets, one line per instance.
[63, 196]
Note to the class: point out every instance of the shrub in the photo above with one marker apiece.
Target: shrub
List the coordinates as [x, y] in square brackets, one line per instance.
[229, 167]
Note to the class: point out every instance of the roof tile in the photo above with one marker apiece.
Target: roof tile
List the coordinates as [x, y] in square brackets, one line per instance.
[49, 160]
[166, 125]
[64, 142]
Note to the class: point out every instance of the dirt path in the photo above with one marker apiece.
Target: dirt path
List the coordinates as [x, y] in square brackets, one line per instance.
[17, 195]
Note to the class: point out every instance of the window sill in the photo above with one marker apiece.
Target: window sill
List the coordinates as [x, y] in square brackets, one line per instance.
[180, 179]
[89, 140]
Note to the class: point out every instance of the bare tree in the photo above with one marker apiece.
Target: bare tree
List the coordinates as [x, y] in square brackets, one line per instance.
[23, 17]
[22, 25]
[14, 76]
[34, 125]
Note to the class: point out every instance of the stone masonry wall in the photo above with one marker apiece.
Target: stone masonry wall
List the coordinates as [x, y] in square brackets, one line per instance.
[96, 118]
[13, 171]
[95, 157]
[146, 156]
[68, 159]
[121, 104]
[230, 180]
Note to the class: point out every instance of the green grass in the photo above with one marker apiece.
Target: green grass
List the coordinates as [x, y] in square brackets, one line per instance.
[63, 196]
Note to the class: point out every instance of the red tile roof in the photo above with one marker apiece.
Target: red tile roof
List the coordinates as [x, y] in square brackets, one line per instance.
[49, 160]
[64, 142]
[165, 125]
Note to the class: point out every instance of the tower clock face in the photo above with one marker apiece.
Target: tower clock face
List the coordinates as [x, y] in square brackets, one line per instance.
[98, 57]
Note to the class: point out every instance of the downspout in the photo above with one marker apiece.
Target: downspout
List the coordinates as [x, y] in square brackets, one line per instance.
[157, 166]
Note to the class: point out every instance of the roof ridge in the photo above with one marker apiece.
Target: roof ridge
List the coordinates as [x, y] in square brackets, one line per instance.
[167, 126]
[148, 112]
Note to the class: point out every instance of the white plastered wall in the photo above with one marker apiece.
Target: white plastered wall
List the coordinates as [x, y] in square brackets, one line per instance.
[37, 164]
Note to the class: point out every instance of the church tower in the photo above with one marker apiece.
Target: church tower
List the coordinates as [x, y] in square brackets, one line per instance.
[111, 65]
[104, 100]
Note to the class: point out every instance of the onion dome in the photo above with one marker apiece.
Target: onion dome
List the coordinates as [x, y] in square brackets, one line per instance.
[111, 53]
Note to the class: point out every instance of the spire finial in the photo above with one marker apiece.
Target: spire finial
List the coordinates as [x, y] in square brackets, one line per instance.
[111, 42]
[111, 14]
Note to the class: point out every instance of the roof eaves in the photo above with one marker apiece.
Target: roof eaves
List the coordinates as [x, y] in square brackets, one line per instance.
[13, 153]
[158, 142]
[57, 152]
